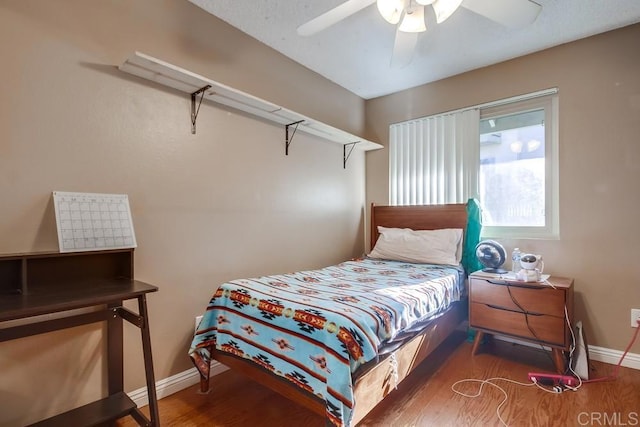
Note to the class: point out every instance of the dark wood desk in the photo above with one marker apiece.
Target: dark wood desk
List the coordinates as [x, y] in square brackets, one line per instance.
[43, 283]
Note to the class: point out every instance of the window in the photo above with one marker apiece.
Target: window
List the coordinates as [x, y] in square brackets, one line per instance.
[517, 174]
[505, 154]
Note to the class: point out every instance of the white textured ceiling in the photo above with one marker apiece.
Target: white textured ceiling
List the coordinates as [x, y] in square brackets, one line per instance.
[355, 53]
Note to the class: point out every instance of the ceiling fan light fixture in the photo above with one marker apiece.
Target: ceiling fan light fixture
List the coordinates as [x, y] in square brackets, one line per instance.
[445, 8]
[413, 21]
[391, 10]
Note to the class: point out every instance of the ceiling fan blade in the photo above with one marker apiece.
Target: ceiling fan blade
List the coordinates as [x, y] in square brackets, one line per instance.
[333, 16]
[403, 49]
[510, 13]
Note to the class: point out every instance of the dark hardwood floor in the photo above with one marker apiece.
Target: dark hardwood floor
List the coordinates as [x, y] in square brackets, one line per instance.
[426, 397]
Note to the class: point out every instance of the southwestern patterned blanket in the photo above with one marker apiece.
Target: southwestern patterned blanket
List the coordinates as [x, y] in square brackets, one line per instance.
[315, 328]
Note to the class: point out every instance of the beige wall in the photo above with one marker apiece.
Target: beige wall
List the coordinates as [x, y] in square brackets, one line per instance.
[222, 204]
[227, 203]
[599, 83]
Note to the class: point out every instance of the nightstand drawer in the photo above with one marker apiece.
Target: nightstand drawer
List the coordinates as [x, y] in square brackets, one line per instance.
[533, 299]
[547, 329]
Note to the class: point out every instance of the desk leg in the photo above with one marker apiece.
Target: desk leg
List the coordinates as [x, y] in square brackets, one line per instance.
[148, 362]
[115, 369]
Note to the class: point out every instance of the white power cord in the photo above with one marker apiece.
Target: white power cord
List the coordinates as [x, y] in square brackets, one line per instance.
[572, 349]
[554, 390]
[489, 382]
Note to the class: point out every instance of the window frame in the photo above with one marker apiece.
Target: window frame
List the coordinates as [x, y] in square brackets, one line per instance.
[551, 230]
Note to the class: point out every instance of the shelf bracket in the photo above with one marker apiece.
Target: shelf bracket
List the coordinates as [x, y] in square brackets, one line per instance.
[345, 155]
[288, 140]
[194, 110]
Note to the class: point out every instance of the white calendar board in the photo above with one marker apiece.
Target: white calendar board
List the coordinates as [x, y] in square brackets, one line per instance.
[93, 221]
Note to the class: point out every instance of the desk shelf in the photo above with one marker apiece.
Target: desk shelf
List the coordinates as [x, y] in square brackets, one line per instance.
[51, 282]
[96, 413]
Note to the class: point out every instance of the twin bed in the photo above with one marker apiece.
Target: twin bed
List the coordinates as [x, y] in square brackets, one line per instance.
[339, 339]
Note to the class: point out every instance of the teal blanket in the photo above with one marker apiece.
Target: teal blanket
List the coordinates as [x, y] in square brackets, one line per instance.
[474, 228]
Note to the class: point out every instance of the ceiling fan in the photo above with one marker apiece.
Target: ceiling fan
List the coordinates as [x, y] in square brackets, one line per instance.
[409, 16]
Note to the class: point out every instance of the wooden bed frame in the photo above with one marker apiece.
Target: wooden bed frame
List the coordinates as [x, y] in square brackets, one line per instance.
[371, 387]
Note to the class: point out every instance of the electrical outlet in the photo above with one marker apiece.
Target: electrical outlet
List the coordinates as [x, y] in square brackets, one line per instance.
[635, 317]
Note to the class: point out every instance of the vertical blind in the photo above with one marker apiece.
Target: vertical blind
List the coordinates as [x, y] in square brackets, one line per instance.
[435, 160]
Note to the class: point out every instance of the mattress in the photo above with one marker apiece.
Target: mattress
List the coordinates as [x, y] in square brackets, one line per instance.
[316, 328]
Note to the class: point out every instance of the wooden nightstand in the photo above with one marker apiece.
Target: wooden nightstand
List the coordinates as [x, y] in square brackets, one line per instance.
[529, 311]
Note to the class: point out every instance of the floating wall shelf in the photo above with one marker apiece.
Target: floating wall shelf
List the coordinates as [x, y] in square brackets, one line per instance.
[200, 87]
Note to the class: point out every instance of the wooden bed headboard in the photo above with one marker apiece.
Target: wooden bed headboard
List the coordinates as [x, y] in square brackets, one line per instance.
[422, 217]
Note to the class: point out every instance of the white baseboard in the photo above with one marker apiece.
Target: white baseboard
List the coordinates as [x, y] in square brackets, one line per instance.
[182, 380]
[173, 384]
[607, 355]
[599, 354]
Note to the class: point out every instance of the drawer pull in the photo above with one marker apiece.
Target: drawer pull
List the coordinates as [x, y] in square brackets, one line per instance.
[528, 313]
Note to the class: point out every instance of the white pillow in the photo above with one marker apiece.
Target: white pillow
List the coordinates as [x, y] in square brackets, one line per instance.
[442, 246]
